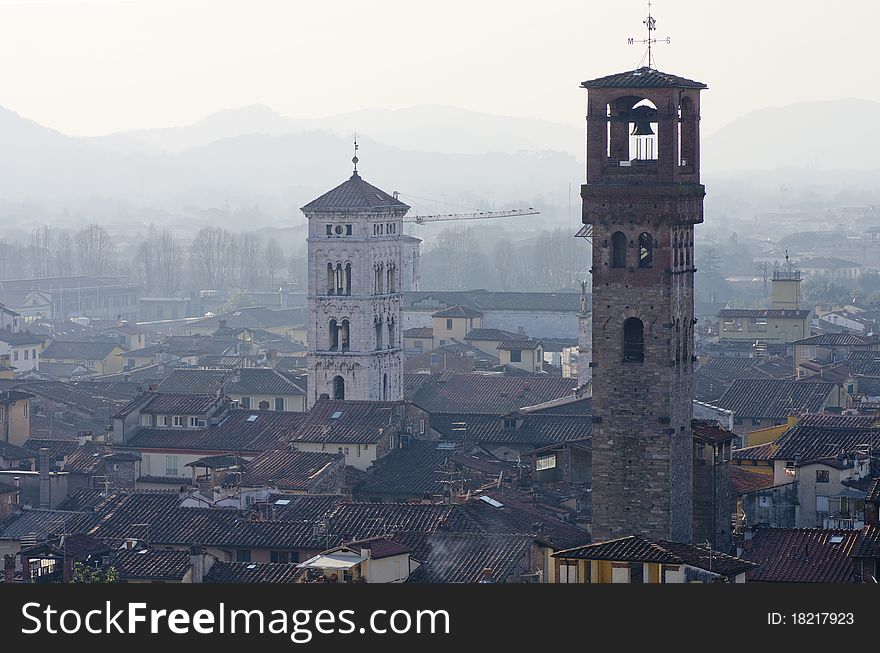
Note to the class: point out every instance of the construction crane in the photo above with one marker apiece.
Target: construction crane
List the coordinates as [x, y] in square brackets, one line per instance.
[471, 215]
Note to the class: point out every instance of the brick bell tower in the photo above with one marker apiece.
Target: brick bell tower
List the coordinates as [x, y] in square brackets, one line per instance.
[642, 198]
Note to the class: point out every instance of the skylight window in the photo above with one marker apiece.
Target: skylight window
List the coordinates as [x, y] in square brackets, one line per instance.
[491, 501]
[252, 418]
[336, 415]
[836, 539]
[282, 502]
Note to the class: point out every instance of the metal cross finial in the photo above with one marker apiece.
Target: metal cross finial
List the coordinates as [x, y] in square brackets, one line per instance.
[355, 159]
[651, 24]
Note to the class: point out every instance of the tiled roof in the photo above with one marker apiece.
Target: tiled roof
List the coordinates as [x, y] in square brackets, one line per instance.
[457, 311]
[639, 549]
[348, 422]
[868, 545]
[494, 334]
[354, 194]
[801, 555]
[287, 469]
[17, 338]
[195, 381]
[13, 396]
[465, 557]
[743, 480]
[757, 452]
[44, 523]
[864, 363]
[380, 547]
[180, 404]
[642, 78]
[302, 507]
[241, 431]
[251, 317]
[874, 492]
[449, 392]
[710, 431]
[9, 451]
[86, 458]
[62, 371]
[58, 449]
[89, 351]
[486, 300]
[536, 429]
[767, 313]
[524, 345]
[419, 332]
[153, 564]
[510, 511]
[774, 398]
[806, 442]
[262, 381]
[247, 572]
[837, 340]
[827, 263]
[183, 346]
[728, 368]
[418, 470]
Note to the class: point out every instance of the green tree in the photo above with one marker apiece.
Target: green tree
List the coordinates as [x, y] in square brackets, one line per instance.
[85, 574]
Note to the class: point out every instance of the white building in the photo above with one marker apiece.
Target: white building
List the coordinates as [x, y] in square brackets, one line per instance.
[355, 327]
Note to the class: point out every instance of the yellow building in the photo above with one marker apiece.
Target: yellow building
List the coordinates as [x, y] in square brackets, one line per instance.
[454, 323]
[638, 560]
[784, 321]
[526, 355]
[97, 357]
[15, 425]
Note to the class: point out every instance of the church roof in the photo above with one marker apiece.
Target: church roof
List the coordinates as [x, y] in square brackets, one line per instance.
[642, 78]
[354, 195]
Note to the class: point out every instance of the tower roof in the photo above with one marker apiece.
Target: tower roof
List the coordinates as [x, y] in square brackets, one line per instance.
[354, 195]
[642, 78]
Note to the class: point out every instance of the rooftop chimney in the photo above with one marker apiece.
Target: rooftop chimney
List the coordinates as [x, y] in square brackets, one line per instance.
[45, 490]
[9, 568]
[200, 563]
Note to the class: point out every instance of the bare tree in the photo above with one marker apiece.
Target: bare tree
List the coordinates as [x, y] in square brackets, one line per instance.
[65, 261]
[211, 256]
[40, 252]
[248, 268]
[273, 261]
[169, 261]
[95, 251]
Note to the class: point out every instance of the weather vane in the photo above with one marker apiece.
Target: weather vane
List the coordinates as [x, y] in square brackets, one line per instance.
[651, 24]
[355, 159]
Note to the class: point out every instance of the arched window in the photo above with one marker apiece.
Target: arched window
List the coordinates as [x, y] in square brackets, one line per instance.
[339, 279]
[633, 341]
[348, 278]
[334, 335]
[618, 250]
[338, 387]
[391, 342]
[687, 251]
[384, 387]
[344, 332]
[646, 250]
[380, 274]
[377, 325]
[331, 279]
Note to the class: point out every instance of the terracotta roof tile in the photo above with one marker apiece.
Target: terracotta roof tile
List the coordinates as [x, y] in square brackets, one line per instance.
[801, 555]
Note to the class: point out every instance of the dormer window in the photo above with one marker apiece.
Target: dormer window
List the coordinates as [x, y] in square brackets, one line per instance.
[510, 422]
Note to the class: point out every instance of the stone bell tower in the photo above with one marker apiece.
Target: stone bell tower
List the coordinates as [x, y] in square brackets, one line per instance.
[355, 297]
[642, 198]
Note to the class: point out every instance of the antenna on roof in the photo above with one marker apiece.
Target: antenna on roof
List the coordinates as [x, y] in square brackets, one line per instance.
[355, 159]
[651, 24]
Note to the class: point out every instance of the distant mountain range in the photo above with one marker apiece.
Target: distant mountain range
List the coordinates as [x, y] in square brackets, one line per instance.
[254, 157]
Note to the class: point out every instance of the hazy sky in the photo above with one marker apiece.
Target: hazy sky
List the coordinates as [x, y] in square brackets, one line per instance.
[88, 68]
